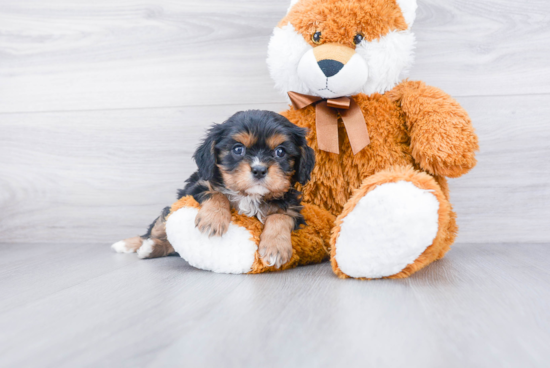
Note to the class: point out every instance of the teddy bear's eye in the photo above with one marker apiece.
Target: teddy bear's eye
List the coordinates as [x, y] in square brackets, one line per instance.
[358, 38]
[316, 38]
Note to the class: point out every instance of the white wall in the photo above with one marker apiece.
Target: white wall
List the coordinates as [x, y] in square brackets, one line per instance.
[103, 102]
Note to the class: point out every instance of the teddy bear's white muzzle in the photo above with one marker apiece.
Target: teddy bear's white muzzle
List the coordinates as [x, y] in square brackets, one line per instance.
[332, 79]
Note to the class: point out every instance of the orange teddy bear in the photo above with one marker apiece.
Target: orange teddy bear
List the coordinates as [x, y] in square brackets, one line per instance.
[378, 202]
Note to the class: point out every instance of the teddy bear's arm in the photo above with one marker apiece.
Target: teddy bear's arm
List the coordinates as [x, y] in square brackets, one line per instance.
[443, 140]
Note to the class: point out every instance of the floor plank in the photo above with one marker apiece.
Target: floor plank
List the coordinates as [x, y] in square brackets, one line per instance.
[63, 55]
[66, 267]
[484, 305]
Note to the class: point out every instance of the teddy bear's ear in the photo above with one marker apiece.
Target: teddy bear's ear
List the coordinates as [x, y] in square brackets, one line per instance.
[292, 3]
[408, 8]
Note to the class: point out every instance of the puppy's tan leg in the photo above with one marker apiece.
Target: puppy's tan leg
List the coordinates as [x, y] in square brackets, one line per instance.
[214, 216]
[275, 242]
[130, 245]
[157, 245]
[151, 245]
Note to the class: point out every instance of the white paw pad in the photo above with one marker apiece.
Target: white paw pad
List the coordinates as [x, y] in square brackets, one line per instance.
[121, 247]
[234, 252]
[388, 229]
[146, 248]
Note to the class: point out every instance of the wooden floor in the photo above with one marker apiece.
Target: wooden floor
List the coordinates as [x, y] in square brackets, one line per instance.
[85, 306]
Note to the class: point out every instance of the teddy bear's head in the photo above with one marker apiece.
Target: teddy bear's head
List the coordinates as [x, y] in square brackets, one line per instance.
[336, 48]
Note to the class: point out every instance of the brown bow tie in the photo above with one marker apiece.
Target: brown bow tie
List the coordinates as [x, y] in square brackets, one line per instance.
[326, 121]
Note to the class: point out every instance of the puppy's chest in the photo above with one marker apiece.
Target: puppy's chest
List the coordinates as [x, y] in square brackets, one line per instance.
[250, 205]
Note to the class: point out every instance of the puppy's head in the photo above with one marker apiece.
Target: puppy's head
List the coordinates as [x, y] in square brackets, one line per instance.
[256, 153]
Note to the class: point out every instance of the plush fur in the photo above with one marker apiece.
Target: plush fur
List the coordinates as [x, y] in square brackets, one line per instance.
[388, 214]
[238, 252]
[383, 212]
[419, 135]
[413, 248]
[386, 52]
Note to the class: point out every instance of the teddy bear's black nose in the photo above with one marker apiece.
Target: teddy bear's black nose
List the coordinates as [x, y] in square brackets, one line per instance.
[330, 67]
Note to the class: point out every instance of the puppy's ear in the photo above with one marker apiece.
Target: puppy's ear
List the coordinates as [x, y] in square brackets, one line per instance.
[306, 161]
[205, 156]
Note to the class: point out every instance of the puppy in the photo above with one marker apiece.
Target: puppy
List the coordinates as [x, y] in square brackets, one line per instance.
[250, 163]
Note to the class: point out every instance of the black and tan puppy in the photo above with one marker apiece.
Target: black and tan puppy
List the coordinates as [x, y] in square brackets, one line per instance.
[250, 163]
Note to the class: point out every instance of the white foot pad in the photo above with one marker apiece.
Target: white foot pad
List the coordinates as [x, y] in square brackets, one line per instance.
[120, 247]
[146, 248]
[388, 229]
[234, 252]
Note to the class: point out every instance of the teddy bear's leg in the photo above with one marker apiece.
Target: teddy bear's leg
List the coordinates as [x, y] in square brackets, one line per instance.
[236, 252]
[399, 221]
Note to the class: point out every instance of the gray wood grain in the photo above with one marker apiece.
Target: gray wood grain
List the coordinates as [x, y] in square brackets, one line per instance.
[63, 55]
[507, 195]
[104, 175]
[482, 306]
[95, 175]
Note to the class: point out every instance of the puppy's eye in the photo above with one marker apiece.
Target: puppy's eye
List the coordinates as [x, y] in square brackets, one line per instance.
[280, 152]
[316, 38]
[358, 38]
[239, 150]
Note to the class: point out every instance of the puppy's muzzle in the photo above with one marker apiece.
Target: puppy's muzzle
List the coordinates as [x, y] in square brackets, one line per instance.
[259, 172]
[332, 58]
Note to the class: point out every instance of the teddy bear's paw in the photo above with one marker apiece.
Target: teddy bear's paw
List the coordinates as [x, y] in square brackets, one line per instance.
[234, 252]
[130, 245]
[388, 229]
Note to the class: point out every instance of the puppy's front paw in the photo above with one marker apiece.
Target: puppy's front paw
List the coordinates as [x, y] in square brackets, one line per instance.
[213, 221]
[275, 250]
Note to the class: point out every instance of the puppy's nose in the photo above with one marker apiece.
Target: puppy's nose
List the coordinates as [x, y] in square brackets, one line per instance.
[330, 67]
[259, 172]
